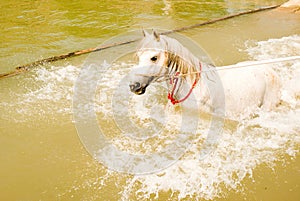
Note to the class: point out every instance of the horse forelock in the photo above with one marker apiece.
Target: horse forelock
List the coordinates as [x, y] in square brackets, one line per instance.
[149, 42]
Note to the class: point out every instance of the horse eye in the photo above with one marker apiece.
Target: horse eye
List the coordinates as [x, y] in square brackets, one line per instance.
[154, 58]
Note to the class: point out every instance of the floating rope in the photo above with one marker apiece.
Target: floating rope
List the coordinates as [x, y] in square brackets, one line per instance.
[27, 67]
[262, 62]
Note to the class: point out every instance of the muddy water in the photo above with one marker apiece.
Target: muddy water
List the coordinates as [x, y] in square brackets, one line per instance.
[42, 157]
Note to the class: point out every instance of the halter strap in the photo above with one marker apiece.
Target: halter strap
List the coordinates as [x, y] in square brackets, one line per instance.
[174, 82]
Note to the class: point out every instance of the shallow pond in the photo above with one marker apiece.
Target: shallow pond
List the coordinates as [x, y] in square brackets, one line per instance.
[42, 156]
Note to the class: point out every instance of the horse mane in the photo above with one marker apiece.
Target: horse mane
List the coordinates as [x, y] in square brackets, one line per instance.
[179, 59]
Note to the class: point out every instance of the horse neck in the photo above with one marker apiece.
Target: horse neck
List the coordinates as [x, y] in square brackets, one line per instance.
[186, 62]
[185, 73]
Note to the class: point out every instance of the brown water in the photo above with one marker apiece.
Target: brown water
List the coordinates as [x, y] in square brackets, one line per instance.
[42, 157]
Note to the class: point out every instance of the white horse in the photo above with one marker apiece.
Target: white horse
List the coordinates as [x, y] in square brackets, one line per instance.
[236, 92]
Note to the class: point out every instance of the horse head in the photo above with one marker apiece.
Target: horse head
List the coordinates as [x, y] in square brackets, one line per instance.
[151, 62]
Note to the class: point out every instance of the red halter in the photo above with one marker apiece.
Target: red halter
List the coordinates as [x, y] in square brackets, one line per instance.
[175, 80]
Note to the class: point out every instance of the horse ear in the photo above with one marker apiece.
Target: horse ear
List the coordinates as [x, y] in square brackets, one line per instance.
[156, 35]
[145, 33]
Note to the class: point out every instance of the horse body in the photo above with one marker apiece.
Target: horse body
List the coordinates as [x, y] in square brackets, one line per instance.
[249, 88]
[234, 92]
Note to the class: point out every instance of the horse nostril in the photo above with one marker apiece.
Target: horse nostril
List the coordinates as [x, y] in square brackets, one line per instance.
[135, 86]
[131, 87]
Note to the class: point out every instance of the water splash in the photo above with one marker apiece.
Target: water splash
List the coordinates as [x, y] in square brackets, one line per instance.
[262, 139]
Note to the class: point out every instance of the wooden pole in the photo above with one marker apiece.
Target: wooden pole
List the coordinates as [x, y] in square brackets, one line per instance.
[27, 67]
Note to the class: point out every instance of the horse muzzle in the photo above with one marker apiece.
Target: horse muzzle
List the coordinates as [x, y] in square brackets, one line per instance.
[137, 88]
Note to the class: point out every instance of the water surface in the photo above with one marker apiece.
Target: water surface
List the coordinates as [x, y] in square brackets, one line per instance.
[42, 157]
